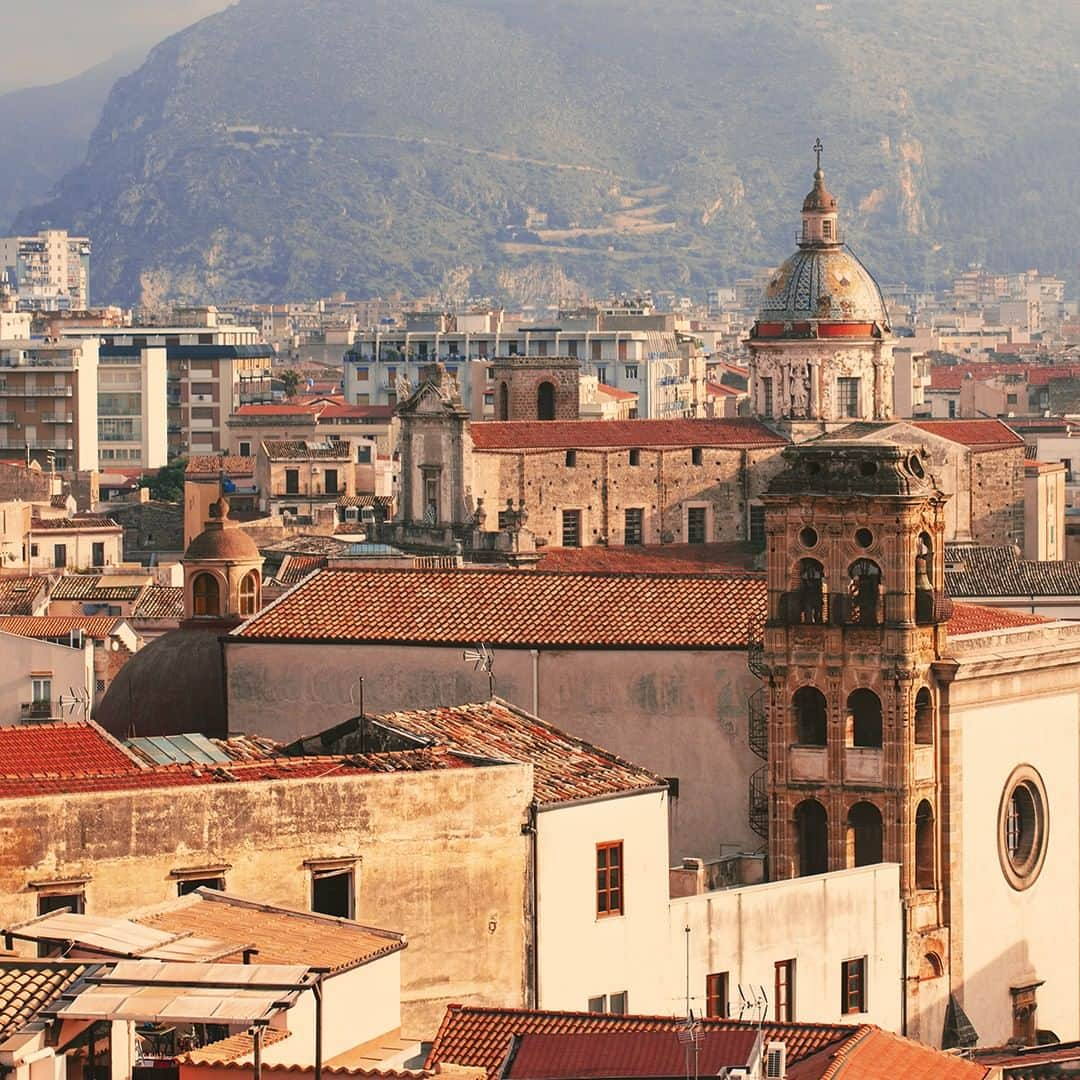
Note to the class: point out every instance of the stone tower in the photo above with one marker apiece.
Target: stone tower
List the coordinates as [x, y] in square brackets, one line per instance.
[536, 387]
[821, 348]
[856, 623]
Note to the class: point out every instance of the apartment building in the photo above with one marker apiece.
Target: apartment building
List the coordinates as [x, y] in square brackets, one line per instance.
[132, 407]
[643, 354]
[47, 272]
[48, 403]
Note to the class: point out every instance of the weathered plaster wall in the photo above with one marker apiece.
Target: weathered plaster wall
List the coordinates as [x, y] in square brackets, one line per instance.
[680, 713]
[439, 853]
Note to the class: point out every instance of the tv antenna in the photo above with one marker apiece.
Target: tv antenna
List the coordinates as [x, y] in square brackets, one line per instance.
[482, 659]
[690, 1036]
[75, 699]
[755, 1002]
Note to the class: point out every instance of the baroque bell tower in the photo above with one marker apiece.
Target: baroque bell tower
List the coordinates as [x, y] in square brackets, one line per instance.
[856, 621]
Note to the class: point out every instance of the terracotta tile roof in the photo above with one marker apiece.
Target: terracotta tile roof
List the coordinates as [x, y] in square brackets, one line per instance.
[975, 619]
[19, 594]
[737, 433]
[519, 608]
[27, 986]
[231, 1048]
[210, 465]
[281, 935]
[982, 570]
[615, 393]
[44, 627]
[301, 450]
[619, 1054]
[715, 389]
[564, 767]
[160, 602]
[273, 410]
[480, 1035]
[295, 568]
[85, 587]
[653, 559]
[978, 434]
[333, 411]
[72, 748]
[47, 782]
[1042, 374]
[84, 522]
[875, 1053]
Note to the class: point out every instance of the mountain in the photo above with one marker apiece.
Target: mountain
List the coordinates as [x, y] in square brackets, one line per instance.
[540, 147]
[44, 130]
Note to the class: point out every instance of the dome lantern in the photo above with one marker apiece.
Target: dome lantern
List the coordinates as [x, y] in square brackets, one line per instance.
[819, 211]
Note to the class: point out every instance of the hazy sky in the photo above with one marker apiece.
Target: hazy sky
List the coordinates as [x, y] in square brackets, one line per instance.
[77, 34]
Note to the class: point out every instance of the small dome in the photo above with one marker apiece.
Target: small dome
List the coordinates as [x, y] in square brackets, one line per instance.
[820, 199]
[228, 542]
[823, 283]
[172, 686]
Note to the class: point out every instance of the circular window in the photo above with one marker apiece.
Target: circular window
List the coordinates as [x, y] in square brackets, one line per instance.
[808, 537]
[864, 537]
[1023, 827]
[916, 466]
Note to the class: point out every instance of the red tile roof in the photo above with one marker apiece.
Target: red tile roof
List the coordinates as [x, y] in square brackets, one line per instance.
[875, 1053]
[978, 434]
[977, 619]
[86, 587]
[210, 465]
[662, 558]
[615, 393]
[519, 608]
[160, 602]
[480, 1035]
[305, 450]
[341, 411]
[737, 433]
[295, 568]
[620, 1054]
[716, 389]
[564, 767]
[28, 986]
[19, 594]
[70, 749]
[58, 626]
[273, 410]
[83, 522]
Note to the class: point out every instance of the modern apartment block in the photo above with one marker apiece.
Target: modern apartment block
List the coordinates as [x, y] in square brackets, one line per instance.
[132, 407]
[47, 272]
[641, 353]
[48, 403]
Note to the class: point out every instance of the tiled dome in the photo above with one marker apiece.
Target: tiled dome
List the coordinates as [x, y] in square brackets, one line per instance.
[823, 283]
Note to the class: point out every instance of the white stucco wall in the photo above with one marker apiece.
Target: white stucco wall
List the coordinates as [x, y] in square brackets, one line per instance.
[817, 921]
[582, 955]
[1006, 933]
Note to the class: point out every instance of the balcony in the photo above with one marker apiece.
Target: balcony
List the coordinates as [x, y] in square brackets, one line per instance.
[57, 420]
[38, 444]
[863, 765]
[35, 391]
[39, 710]
[808, 764]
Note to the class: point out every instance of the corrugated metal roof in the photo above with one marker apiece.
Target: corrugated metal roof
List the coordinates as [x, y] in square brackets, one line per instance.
[171, 749]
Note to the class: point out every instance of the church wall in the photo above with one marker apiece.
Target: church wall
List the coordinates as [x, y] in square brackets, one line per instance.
[997, 496]
[679, 713]
[437, 854]
[1005, 934]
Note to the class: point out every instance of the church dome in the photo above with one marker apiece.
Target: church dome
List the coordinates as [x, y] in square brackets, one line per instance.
[823, 283]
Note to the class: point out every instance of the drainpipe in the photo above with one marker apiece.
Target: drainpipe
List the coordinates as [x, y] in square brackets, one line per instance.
[535, 653]
[533, 975]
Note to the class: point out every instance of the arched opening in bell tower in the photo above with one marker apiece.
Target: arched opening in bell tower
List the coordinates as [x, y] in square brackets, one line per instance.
[811, 594]
[545, 401]
[864, 727]
[864, 593]
[812, 837]
[865, 841]
[925, 845]
[811, 716]
[924, 718]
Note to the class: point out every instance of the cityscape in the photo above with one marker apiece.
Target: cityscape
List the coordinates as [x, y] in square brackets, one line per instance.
[506, 605]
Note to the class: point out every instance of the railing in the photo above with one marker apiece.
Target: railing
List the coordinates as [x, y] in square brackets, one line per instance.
[759, 802]
[37, 710]
[57, 420]
[35, 391]
[39, 444]
[758, 731]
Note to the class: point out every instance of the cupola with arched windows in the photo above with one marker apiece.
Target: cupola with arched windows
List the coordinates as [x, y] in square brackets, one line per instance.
[222, 571]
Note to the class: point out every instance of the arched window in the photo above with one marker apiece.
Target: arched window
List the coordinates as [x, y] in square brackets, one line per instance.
[865, 839]
[206, 595]
[924, 718]
[864, 593]
[925, 844]
[249, 593]
[504, 402]
[864, 719]
[931, 966]
[812, 835]
[808, 704]
[924, 579]
[811, 594]
[545, 401]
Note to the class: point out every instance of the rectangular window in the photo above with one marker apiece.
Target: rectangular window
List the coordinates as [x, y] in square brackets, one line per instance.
[59, 555]
[853, 986]
[189, 885]
[609, 879]
[331, 486]
[952, 410]
[630, 371]
[97, 556]
[784, 991]
[571, 349]
[596, 347]
[847, 396]
[695, 525]
[571, 459]
[245, 449]
[541, 348]
[41, 690]
[634, 529]
[635, 457]
[363, 454]
[766, 398]
[757, 526]
[332, 892]
[292, 481]
[571, 528]
[601, 375]
[826, 230]
[598, 1004]
[618, 1003]
[50, 901]
[621, 348]
[362, 399]
[716, 995]
[1010, 399]
[696, 456]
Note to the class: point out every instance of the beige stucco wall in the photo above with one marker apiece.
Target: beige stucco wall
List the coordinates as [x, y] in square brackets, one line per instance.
[817, 921]
[20, 656]
[1044, 513]
[679, 713]
[580, 954]
[438, 854]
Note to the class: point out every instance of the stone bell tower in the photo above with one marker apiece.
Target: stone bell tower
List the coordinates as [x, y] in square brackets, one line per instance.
[856, 621]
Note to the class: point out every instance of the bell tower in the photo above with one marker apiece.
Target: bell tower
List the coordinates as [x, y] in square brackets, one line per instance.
[856, 621]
